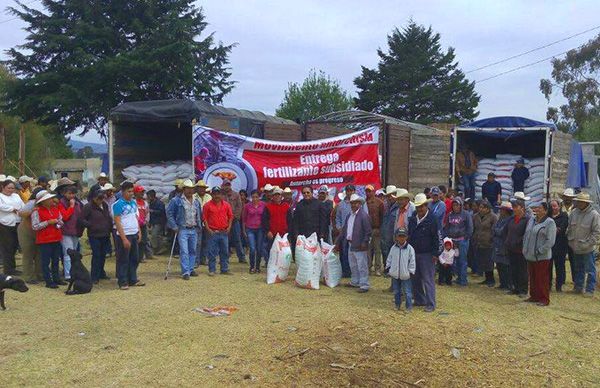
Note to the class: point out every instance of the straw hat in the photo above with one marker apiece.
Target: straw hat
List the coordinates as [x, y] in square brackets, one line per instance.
[421, 199]
[52, 185]
[521, 195]
[569, 193]
[277, 191]
[25, 178]
[506, 205]
[286, 190]
[268, 187]
[178, 182]
[390, 190]
[107, 187]
[402, 193]
[583, 197]
[10, 178]
[369, 188]
[102, 175]
[201, 183]
[42, 196]
[356, 198]
[187, 184]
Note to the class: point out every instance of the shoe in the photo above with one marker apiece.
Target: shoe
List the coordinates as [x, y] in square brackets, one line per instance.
[408, 310]
[52, 285]
[377, 273]
[588, 295]
[429, 309]
[32, 281]
[211, 274]
[491, 285]
[522, 296]
[62, 283]
[258, 270]
[186, 277]
[124, 287]
[362, 290]
[398, 307]
[350, 285]
[193, 274]
[226, 273]
[139, 283]
[104, 277]
[530, 300]
[512, 292]
[578, 291]
[252, 270]
[542, 304]
[483, 282]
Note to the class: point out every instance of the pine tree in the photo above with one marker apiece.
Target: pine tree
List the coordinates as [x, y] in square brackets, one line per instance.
[416, 81]
[82, 58]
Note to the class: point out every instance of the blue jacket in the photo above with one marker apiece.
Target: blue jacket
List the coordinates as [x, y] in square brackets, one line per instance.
[424, 237]
[438, 210]
[176, 213]
[389, 222]
[519, 176]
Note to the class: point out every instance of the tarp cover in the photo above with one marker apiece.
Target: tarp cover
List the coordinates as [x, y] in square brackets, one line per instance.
[576, 176]
[182, 111]
[507, 122]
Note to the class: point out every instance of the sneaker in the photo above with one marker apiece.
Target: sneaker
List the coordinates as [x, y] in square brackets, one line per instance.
[186, 277]
[491, 285]
[211, 274]
[429, 309]
[193, 274]
[124, 287]
[362, 290]
[541, 304]
[52, 285]
[588, 295]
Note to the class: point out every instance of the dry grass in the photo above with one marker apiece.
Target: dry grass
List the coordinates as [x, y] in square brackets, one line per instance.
[150, 336]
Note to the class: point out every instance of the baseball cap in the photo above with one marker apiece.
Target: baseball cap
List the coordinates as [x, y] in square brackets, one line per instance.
[350, 187]
[401, 232]
[324, 189]
[435, 190]
[138, 189]
[369, 188]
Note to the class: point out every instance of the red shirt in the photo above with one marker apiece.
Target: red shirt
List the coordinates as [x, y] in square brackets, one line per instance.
[278, 217]
[142, 211]
[217, 216]
[51, 233]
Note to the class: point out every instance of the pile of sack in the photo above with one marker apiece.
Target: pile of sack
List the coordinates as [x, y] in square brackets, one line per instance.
[503, 166]
[159, 177]
[314, 261]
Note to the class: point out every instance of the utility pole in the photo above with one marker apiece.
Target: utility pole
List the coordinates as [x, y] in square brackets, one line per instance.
[21, 151]
[2, 148]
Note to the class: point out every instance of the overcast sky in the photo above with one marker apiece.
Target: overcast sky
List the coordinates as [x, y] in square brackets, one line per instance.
[280, 41]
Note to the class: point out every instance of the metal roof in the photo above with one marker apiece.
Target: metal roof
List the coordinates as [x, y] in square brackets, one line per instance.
[360, 119]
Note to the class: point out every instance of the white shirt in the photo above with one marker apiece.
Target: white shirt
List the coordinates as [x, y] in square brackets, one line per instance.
[350, 227]
[8, 205]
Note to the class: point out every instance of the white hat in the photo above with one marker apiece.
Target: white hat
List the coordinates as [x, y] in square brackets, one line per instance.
[24, 179]
[277, 190]
[380, 192]
[188, 183]
[102, 175]
[521, 195]
[268, 187]
[402, 193]
[42, 196]
[583, 197]
[286, 190]
[356, 198]
[2, 177]
[341, 195]
[390, 190]
[52, 185]
[107, 186]
[421, 199]
[10, 178]
[569, 192]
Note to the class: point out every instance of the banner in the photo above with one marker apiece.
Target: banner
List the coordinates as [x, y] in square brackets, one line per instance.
[251, 163]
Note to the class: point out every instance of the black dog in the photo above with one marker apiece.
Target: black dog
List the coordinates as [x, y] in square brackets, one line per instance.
[81, 281]
[10, 283]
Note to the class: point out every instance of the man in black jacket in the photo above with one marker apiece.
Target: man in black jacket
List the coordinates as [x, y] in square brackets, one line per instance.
[310, 216]
[424, 237]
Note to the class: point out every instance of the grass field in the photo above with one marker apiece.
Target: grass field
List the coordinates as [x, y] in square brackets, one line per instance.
[286, 336]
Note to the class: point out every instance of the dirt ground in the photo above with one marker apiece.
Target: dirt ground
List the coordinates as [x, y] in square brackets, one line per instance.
[286, 336]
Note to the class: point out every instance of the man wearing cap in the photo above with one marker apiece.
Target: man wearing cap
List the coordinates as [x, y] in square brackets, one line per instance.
[424, 237]
[323, 197]
[178, 189]
[144, 249]
[25, 191]
[342, 211]
[203, 197]
[492, 190]
[218, 218]
[437, 207]
[519, 175]
[376, 209]
[184, 216]
[388, 222]
[356, 233]
[102, 180]
[235, 235]
[267, 191]
[583, 235]
[288, 196]
[466, 167]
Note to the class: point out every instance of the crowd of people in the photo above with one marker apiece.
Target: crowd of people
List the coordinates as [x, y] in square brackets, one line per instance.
[387, 232]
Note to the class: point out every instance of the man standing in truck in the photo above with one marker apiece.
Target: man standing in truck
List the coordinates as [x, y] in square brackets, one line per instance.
[466, 167]
[519, 175]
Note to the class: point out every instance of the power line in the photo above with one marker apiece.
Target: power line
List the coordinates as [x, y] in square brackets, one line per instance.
[17, 17]
[533, 50]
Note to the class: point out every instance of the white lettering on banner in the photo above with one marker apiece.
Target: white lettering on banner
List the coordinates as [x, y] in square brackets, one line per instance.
[350, 166]
[366, 137]
[289, 172]
[319, 159]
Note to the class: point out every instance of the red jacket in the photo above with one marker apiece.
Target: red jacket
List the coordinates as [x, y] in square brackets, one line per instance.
[44, 232]
[276, 218]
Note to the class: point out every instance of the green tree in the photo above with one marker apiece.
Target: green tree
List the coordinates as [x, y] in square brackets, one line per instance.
[318, 94]
[82, 58]
[85, 152]
[577, 76]
[416, 80]
[42, 143]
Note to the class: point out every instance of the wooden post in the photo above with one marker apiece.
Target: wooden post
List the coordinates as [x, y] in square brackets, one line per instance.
[21, 151]
[2, 149]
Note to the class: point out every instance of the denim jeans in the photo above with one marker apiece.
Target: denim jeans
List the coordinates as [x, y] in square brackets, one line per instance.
[468, 181]
[144, 249]
[127, 260]
[460, 262]
[157, 235]
[187, 238]
[68, 242]
[402, 286]
[199, 254]
[584, 265]
[255, 245]
[50, 256]
[236, 239]
[99, 246]
[218, 244]
[359, 267]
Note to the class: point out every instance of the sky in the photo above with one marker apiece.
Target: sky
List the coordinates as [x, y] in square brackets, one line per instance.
[278, 42]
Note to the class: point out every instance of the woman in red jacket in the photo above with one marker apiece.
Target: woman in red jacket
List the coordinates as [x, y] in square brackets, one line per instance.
[275, 218]
[46, 221]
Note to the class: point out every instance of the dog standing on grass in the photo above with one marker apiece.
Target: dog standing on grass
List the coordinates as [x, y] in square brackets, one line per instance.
[81, 281]
[10, 283]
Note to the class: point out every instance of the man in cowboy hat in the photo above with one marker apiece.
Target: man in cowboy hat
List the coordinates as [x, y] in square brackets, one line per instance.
[178, 189]
[203, 197]
[567, 199]
[201, 194]
[583, 235]
[102, 180]
[235, 237]
[61, 185]
[342, 211]
[267, 191]
[424, 237]
[376, 210]
[356, 233]
[388, 222]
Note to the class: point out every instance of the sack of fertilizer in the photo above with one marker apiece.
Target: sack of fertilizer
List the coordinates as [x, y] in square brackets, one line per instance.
[331, 271]
[280, 259]
[308, 261]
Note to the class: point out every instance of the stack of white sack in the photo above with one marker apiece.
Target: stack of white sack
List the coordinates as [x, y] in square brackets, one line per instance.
[159, 177]
[502, 166]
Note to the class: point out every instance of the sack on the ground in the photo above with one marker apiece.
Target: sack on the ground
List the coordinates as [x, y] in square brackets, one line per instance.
[331, 270]
[308, 260]
[280, 259]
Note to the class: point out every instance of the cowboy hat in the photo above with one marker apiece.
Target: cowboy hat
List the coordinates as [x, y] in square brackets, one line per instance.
[24, 179]
[521, 195]
[277, 191]
[286, 190]
[42, 196]
[52, 184]
[380, 192]
[102, 175]
[356, 198]
[64, 181]
[420, 199]
[569, 192]
[201, 183]
[341, 195]
[583, 197]
[178, 182]
[187, 184]
[2, 177]
[402, 193]
[107, 187]
[506, 205]
[10, 178]
[390, 190]
[268, 187]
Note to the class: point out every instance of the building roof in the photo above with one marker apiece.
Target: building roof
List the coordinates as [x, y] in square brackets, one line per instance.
[360, 119]
[183, 111]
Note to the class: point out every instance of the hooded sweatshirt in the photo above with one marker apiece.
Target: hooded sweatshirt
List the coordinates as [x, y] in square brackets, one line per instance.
[447, 256]
[459, 226]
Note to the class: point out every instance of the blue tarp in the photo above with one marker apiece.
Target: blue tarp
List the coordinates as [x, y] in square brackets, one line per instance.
[576, 176]
[507, 122]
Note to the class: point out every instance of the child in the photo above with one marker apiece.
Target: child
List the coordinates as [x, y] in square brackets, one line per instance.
[446, 261]
[401, 264]
[46, 221]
